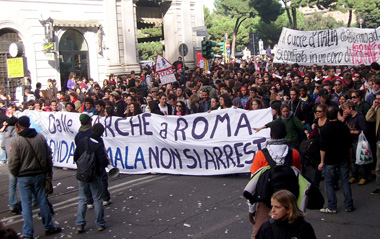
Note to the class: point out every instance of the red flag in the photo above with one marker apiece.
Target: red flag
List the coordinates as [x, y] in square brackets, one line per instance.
[257, 68]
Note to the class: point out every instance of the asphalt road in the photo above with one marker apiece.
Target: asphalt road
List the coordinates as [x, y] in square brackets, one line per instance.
[171, 206]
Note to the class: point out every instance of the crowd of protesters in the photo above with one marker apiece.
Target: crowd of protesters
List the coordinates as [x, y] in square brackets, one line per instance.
[300, 95]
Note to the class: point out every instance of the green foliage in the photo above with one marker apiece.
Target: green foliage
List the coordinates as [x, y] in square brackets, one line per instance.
[268, 10]
[152, 32]
[234, 8]
[149, 50]
[369, 10]
[318, 22]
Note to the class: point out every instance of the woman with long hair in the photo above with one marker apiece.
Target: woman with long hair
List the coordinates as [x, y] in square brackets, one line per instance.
[133, 109]
[257, 104]
[244, 96]
[180, 109]
[320, 119]
[225, 101]
[214, 104]
[154, 109]
[287, 220]
[71, 82]
[194, 104]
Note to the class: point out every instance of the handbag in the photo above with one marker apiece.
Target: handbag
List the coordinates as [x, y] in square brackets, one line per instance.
[48, 179]
[363, 151]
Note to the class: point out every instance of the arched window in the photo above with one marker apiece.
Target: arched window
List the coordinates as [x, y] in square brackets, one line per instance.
[73, 56]
[7, 37]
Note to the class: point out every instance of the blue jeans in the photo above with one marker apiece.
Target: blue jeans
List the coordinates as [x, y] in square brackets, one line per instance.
[12, 198]
[95, 188]
[28, 186]
[343, 171]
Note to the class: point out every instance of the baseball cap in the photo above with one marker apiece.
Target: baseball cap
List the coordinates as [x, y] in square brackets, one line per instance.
[85, 117]
[323, 93]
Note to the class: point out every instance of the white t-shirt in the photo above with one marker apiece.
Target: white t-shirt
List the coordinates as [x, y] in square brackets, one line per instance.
[164, 109]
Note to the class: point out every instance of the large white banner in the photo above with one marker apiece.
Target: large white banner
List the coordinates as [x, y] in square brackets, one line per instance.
[341, 46]
[220, 142]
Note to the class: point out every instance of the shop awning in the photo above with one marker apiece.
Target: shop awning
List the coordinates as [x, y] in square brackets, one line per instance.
[70, 23]
[149, 15]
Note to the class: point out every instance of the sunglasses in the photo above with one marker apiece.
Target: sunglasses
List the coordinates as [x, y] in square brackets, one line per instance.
[318, 111]
[179, 106]
[337, 84]
[354, 97]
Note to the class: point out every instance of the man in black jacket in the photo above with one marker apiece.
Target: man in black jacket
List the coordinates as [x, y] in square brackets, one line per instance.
[336, 151]
[30, 160]
[95, 142]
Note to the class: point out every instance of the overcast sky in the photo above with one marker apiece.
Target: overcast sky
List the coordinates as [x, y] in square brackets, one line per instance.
[209, 4]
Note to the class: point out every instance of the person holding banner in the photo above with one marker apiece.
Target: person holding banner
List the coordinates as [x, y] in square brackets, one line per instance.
[293, 126]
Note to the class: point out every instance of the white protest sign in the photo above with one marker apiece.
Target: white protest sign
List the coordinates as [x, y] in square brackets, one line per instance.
[215, 143]
[341, 46]
[162, 64]
[167, 76]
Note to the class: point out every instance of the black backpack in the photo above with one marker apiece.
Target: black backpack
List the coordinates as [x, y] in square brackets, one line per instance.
[278, 177]
[86, 164]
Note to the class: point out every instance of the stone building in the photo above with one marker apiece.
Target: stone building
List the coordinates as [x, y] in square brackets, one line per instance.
[92, 38]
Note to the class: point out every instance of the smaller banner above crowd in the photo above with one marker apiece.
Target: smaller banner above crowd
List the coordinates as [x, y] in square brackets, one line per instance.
[165, 70]
[341, 46]
[215, 143]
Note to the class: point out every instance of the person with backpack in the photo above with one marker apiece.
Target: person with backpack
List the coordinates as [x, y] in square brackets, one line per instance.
[85, 131]
[277, 150]
[91, 159]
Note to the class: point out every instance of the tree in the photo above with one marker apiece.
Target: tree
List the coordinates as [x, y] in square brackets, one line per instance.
[239, 11]
[343, 6]
[318, 22]
[369, 11]
[291, 7]
[268, 10]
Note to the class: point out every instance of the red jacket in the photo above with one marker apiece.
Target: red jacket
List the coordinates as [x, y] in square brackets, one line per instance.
[259, 161]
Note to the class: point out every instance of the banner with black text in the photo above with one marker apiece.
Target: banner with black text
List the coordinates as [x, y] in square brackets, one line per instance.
[341, 46]
[215, 143]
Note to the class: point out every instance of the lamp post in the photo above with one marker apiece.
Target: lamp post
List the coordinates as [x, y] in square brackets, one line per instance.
[361, 22]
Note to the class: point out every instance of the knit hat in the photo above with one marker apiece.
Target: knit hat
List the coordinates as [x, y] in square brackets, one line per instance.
[84, 118]
[278, 130]
[24, 121]
[12, 121]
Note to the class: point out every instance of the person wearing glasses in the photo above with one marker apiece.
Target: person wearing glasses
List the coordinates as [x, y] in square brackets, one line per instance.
[338, 88]
[180, 109]
[361, 105]
[357, 80]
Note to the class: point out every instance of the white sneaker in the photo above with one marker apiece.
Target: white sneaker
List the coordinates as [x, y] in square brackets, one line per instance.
[327, 210]
[90, 206]
[106, 203]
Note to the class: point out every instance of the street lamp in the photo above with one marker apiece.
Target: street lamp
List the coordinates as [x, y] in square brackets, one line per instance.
[361, 21]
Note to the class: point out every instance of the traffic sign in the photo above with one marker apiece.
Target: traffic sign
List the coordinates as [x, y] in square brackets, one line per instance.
[227, 45]
[162, 64]
[183, 49]
[228, 51]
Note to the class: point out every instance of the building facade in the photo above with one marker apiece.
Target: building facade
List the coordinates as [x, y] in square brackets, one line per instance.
[92, 38]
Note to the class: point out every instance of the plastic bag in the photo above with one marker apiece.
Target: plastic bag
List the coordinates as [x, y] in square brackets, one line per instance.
[363, 151]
